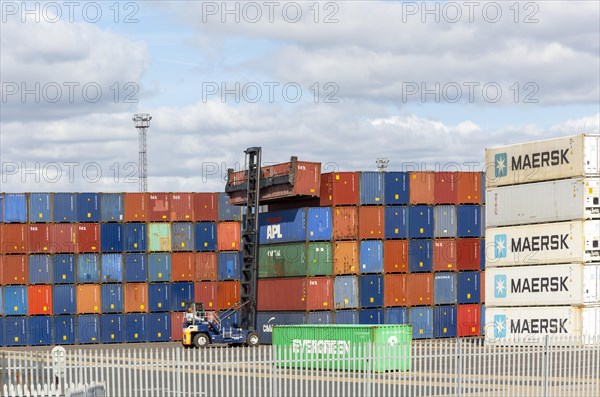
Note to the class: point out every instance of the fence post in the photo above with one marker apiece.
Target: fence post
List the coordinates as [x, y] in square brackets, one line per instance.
[458, 386]
[545, 363]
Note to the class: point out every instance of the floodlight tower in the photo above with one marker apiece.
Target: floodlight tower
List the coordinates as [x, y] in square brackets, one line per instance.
[382, 164]
[142, 123]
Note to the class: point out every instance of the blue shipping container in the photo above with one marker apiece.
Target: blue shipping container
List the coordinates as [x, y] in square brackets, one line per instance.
[371, 291]
[64, 330]
[206, 236]
[88, 268]
[88, 328]
[444, 322]
[15, 331]
[371, 256]
[112, 268]
[468, 287]
[159, 295]
[64, 299]
[229, 265]
[482, 188]
[159, 327]
[469, 220]
[230, 320]
[396, 222]
[421, 319]
[2, 330]
[15, 300]
[444, 219]
[420, 256]
[135, 237]
[1, 303]
[319, 318]
[64, 269]
[136, 268]
[181, 293]
[420, 221]
[444, 288]
[111, 237]
[112, 298]
[371, 187]
[228, 212]
[285, 226]
[64, 207]
[483, 320]
[88, 207]
[40, 209]
[135, 328]
[396, 315]
[40, 269]
[1, 219]
[266, 320]
[346, 316]
[482, 253]
[111, 205]
[15, 208]
[39, 330]
[395, 185]
[370, 316]
[159, 267]
[345, 292]
[318, 224]
[111, 328]
[182, 236]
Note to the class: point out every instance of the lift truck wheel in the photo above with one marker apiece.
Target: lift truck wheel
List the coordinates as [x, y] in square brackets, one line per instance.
[201, 340]
[252, 339]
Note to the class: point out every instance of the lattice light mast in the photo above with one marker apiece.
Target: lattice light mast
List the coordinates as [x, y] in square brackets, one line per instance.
[382, 164]
[142, 123]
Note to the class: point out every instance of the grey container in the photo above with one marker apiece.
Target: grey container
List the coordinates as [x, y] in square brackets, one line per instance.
[444, 221]
[345, 292]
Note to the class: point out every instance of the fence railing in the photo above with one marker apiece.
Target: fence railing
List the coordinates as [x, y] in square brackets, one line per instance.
[440, 367]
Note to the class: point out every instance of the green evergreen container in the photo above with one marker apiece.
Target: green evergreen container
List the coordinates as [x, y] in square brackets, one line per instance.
[344, 347]
[320, 259]
[282, 260]
[160, 237]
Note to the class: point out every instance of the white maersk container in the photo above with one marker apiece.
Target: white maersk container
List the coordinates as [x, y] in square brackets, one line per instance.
[554, 201]
[572, 284]
[559, 158]
[547, 243]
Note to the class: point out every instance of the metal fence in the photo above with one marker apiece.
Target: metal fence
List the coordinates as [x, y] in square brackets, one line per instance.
[441, 367]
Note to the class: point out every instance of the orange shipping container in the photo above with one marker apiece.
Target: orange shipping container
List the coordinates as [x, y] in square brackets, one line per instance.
[395, 256]
[136, 297]
[419, 289]
[14, 238]
[205, 207]
[88, 299]
[88, 237]
[228, 236]
[444, 255]
[482, 286]
[205, 268]
[15, 270]
[158, 207]
[177, 325]
[39, 238]
[421, 187]
[181, 206]
[469, 188]
[39, 299]
[345, 223]
[394, 290]
[446, 187]
[206, 292]
[228, 294]
[345, 257]
[370, 222]
[182, 266]
[64, 238]
[339, 188]
[136, 207]
[319, 293]
[468, 320]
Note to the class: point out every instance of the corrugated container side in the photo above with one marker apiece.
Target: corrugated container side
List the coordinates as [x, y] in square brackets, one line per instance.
[39, 238]
[444, 255]
[319, 293]
[88, 207]
[136, 268]
[63, 238]
[136, 207]
[468, 287]
[39, 299]
[470, 188]
[445, 190]
[371, 256]
[345, 292]
[469, 218]
[444, 322]
[15, 208]
[226, 211]
[229, 265]
[444, 288]
[206, 236]
[282, 260]
[370, 316]
[88, 237]
[281, 226]
[420, 255]
[371, 290]
[111, 237]
[468, 254]
[421, 187]
[112, 328]
[229, 236]
[160, 237]
[158, 207]
[14, 269]
[318, 318]
[40, 207]
[394, 290]
[396, 189]
[345, 223]
[40, 269]
[444, 219]
[205, 207]
[349, 317]
[14, 239]
[15, 300]
[112, 268]
[64, 299]
[111, 207]
[136, 328]
[181, 206]
[228, 294]
[176, 326]
[88, 268]
[395, 256]
[15, 331]
[371, 222]
[182, 236]
[419, 289]
[340, 188]
[421, 319]
[396, 315]
[469, 320]
[420, 221]
[396, 222]
[371, 187]
[136, 297]
[319, 224]
[64, 330]
[319, 259]
[266, 320]
[88, 329]
[181, 292]
[205, 267]
[281, 294]
[159, 297]
[112, 298]
[206, 292]
[135, 237]
[88, 299]
[182, 266]
[159, 267]
[482, 286]
[64, 207]
[345, 257]
[1, 303]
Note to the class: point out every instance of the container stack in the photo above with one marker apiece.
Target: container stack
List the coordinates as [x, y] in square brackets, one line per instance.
[543, 219]
[112, 267]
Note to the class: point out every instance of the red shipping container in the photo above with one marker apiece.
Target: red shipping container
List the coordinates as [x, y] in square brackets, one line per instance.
[228, 294]
[205, 267]
[39, 238]
[319, 293]
[419, 289]
[39, 299]
[181, 206]
[395, 256]
[88, 299]
[345, 257]
[283, 294]
[469, 320]
[136, 297]
[15, 270]
[469, 188]
[206, 292]
[482, 287]
[370, 222]
[445, 190]
[88, 237]
[421, 187]
[394, 290]
[339, 188]
[205, 207]
[345, 223]
[444, 255]
[182, 266]
[228, 236]
[14, 238]
[64, 238]
[136, 207]
[177, 319]
[158, 207]
[468, 253]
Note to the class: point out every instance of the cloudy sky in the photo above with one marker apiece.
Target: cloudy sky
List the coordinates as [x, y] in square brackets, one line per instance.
[426, 85]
